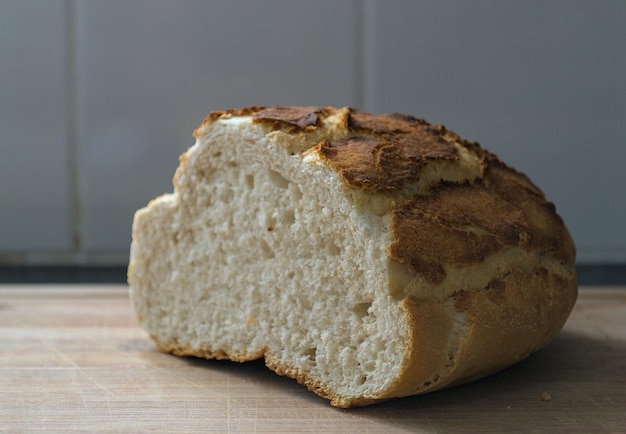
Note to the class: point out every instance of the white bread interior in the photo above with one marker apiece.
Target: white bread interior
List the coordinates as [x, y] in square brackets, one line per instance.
[264, 250]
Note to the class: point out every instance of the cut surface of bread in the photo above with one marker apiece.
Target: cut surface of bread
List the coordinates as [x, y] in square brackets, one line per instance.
[367, 256]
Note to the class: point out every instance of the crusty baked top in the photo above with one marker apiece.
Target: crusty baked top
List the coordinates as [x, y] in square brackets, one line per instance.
[452, 223]
[383, 152]
[300, 117]
[389, 154]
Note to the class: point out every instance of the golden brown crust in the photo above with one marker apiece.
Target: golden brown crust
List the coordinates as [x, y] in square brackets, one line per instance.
[511, 319]
[504, 323]
[292, 118]
[546, 228]
[454, 224]
[383, 164]
[462, 224]
[384, 125]
[385, 152]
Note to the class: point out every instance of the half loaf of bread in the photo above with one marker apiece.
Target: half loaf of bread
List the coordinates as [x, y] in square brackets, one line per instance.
[366, 256]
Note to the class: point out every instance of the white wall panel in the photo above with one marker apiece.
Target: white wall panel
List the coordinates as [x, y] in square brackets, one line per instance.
[98, 98]
[35, 201]
[149, 71]
[543, 84]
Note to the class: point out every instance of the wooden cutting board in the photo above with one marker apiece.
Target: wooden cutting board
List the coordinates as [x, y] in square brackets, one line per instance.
[72, 358]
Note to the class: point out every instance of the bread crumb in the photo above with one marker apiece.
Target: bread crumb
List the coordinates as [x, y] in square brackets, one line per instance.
[545, 396]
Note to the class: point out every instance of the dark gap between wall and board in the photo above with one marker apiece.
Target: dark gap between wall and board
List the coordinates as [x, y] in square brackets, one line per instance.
[588, 274]
[42, 274]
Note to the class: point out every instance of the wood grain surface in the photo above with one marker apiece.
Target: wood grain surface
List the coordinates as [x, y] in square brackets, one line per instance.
[72, 358]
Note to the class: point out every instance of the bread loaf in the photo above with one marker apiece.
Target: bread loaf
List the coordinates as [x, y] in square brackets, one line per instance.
[367, 256]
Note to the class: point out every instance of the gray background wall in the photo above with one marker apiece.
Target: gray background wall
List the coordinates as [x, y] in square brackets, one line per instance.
[98, 99]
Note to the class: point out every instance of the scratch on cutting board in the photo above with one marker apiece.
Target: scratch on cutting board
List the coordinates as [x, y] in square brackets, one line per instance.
[46, 343]
[73, 363]
[584, 396]
[228, 392]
